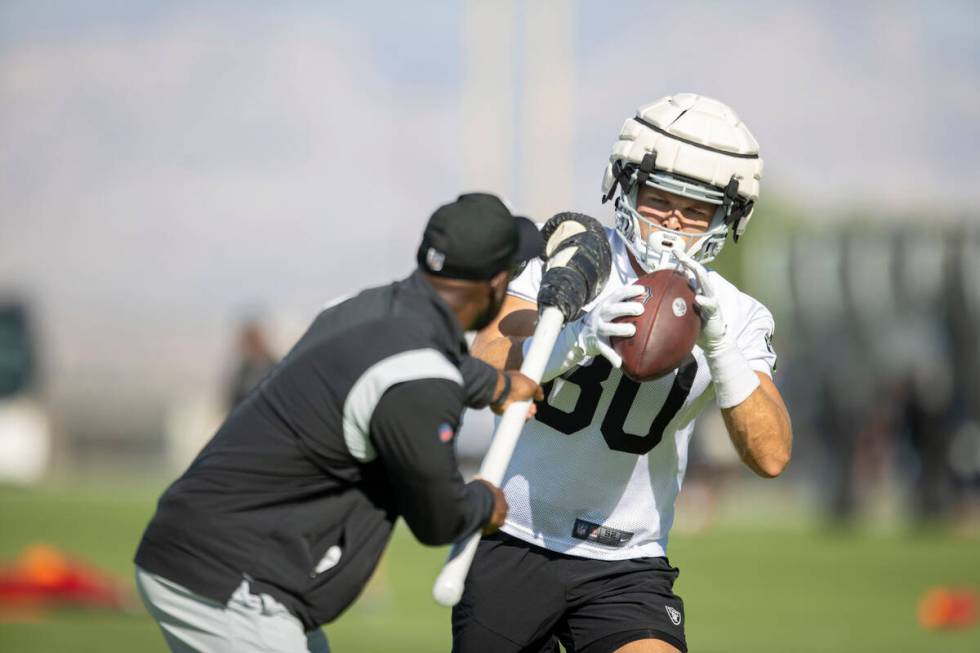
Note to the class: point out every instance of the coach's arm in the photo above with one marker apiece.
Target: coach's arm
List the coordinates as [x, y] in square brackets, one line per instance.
[413, 428]
[484, 385]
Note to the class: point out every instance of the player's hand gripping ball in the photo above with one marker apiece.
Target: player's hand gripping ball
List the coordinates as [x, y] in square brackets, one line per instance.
[714, 329]
[666, 330]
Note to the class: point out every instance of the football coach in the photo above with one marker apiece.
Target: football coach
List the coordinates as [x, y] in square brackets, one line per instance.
[279, 522]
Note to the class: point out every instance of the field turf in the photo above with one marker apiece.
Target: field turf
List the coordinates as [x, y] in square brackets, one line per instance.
[745, 589]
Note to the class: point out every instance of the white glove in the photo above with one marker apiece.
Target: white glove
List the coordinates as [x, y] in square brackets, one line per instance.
[734, 379]
[589, 336]
[598, 325]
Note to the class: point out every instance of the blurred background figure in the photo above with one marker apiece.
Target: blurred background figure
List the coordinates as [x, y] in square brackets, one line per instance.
[192, 416]
[25, 438]
[884, 368]
[255, 359]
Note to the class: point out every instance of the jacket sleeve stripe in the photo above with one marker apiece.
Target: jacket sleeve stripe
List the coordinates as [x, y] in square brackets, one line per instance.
[367, 391]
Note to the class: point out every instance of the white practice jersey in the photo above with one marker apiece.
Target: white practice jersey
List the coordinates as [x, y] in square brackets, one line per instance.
[597, 471]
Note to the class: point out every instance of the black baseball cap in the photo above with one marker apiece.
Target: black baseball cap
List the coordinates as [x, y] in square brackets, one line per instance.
[476, 237]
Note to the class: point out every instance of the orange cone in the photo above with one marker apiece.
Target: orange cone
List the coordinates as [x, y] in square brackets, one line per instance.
[948, 608]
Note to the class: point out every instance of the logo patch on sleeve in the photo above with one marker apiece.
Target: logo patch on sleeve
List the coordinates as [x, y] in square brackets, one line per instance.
[586, 530]
[675, 615]
[446, 432]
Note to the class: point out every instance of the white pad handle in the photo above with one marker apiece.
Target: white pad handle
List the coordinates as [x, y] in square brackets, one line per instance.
[448, 588]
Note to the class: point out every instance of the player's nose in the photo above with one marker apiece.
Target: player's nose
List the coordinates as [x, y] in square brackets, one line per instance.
[672, 221]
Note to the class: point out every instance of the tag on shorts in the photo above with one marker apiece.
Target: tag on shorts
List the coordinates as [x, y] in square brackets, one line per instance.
[586, 530]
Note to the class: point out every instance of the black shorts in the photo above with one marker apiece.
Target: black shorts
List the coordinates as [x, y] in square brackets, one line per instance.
[522, 598]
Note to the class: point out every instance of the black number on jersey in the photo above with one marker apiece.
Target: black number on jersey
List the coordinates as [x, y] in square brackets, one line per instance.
[589, 380]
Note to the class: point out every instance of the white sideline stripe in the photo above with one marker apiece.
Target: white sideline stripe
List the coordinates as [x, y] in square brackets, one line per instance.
[366, 392]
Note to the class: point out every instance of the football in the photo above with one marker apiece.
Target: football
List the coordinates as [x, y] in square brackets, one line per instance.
[666, 330]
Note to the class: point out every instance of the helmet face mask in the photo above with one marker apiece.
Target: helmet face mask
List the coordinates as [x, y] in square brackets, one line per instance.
[691, 146]
[654, 251]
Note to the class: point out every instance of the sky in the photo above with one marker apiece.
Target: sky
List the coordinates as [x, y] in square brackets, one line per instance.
[168, 166]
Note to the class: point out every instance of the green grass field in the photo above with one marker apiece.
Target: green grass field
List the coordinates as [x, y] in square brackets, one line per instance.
[744, 589]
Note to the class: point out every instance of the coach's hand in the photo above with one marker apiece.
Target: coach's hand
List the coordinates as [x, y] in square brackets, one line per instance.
[513, 386]
[499, 513]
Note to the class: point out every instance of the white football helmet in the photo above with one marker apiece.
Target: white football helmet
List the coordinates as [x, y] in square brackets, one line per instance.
[688, 145]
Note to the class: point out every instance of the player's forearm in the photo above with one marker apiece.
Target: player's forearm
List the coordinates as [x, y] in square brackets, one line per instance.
[761, 431]
[507, 352]
[504, 352]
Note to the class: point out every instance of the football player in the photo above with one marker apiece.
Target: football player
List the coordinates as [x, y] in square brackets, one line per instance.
[581, 558]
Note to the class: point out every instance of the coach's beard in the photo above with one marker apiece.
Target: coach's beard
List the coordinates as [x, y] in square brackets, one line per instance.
[490, 312]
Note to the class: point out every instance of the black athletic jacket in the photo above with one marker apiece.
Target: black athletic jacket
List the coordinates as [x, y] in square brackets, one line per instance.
[300, 487]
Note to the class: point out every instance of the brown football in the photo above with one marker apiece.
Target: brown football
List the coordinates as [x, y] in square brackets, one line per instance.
[666, 330]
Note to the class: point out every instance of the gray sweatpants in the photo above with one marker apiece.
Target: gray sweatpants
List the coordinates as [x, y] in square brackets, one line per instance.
[248, 623]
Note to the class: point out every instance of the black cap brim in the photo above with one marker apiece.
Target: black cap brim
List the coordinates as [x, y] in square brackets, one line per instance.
[530, 243]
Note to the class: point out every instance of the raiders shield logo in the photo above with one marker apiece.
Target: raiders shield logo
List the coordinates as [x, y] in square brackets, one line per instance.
[675, 615]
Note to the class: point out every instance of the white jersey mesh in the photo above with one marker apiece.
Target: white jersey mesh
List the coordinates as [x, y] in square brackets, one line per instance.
[592, 458]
